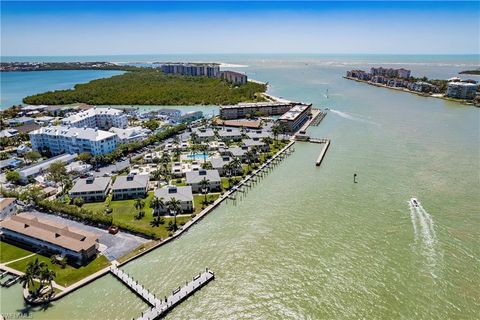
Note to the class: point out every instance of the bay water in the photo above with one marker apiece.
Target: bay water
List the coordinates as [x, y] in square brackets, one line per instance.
[308, 243]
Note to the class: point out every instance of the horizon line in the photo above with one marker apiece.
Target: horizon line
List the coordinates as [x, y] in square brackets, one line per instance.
[246, 53]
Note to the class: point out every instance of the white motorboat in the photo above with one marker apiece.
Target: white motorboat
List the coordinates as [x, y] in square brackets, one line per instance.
[414, 202]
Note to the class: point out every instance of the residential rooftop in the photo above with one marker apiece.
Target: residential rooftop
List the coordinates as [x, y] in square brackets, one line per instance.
[50, 231]
[197, 176]
[74, 132]
[180, 193]
[91, 184]
[131, 181]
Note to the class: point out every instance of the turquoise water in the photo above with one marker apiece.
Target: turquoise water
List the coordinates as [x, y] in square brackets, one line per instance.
[17, 85]
[308, 243]
[197, 156]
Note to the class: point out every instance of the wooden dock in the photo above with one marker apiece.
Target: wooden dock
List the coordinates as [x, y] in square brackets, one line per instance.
[135, 286]
[324, 150]
[158, 308]
[318, 118]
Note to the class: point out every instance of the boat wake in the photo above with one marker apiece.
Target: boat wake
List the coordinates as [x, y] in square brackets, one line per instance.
[424, 232]
[350, 116]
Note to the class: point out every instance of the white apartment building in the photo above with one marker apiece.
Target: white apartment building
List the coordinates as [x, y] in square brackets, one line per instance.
[103, 118]
[91, 189]
[295, 117]
[182, 194]
[61, 139]
[194, 179]
[462, 90]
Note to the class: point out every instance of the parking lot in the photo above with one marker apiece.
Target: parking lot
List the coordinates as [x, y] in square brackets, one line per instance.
[116, 245]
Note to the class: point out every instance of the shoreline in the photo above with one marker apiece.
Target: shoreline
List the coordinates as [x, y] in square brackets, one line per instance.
[159, 243]
[422, 94]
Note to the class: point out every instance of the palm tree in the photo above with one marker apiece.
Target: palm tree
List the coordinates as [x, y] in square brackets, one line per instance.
[165, 158]
[157, 203]
[204, 149]
[139, 204]
[33, 271]
[177, 152]
[193, 148]
[204, 184]
[48, 276]
[174, 206]
[250, 156]
[275, 131]
[194, 137]
[267, 140]
[236, 165]
[228, 169]
[156, 174]
[27, 280]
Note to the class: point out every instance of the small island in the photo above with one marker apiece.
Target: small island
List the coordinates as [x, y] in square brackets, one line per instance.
[151, 86]
[475, 72]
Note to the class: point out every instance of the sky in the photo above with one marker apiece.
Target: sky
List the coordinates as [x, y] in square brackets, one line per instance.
[123, 27]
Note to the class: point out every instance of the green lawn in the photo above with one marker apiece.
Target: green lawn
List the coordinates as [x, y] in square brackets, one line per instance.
[198, 201]
[10, 252]
[67, 276]
[124, 216]
[225, 183]
[176, 182]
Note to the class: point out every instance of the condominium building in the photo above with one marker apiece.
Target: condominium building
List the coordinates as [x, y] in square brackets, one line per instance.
[182, 194]
[295, 117]
[462, 90]
[131, 186]
[230, 134]
[61, 139]
[210, 70]
[358, 74]
[233, 77]
[204, 134]
[390, 72]
[424, 87]
[91, 189]
[194, 179]
[46, 234]
[241, 110]
[103, 118]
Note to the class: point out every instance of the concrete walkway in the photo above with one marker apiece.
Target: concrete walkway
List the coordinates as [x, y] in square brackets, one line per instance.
[11, 261]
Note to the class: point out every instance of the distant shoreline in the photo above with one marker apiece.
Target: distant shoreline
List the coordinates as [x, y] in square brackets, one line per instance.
[422, 94]
[471, 72]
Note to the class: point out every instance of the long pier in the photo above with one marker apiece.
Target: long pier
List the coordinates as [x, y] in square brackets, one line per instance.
[178, 295]
[135, 286]
[326, 143]
[317, 118]
[159, 308]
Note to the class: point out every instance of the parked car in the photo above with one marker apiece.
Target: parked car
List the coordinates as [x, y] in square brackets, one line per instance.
[113, 230]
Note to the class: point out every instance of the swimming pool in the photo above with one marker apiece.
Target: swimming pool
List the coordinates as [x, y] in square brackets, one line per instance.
[197, 156]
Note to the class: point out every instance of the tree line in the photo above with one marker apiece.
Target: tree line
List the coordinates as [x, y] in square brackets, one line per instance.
[152, 87]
